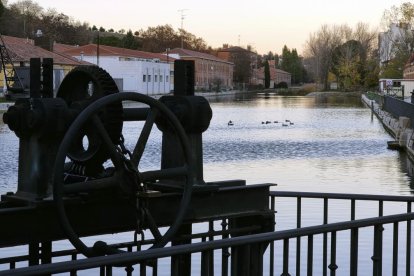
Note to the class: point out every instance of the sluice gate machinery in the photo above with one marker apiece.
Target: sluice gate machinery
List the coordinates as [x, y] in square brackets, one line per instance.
[77, 177]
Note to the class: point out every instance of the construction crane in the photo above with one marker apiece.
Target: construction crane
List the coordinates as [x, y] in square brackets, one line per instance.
[14, 85]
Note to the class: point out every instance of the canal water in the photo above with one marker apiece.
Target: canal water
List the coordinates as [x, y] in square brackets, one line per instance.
[318, 144]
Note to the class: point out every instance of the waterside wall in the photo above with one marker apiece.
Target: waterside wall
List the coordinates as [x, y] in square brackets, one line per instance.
[398, 126]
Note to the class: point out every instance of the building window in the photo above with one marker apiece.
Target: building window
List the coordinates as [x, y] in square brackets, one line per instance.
[144, 78]
[149, 78]
[166, 78]
[155, 78]
[160, 78]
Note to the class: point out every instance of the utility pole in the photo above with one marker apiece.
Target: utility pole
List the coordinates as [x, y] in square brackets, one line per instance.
[182, 27]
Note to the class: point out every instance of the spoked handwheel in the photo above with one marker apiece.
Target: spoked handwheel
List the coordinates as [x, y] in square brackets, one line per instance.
[126, 175]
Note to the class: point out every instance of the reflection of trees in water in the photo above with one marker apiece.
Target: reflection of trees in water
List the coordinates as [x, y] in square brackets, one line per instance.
[340, 99]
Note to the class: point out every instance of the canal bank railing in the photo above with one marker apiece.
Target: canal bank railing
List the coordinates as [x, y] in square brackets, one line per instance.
[293, 251]
[397, 117]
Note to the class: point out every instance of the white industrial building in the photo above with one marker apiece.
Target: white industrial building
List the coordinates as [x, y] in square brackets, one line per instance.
[397, 87]
[387, 40]
[132, 70]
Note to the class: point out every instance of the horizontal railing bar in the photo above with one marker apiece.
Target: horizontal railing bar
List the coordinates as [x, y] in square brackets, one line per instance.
[135, 257]
[68, 252]
[342, 196]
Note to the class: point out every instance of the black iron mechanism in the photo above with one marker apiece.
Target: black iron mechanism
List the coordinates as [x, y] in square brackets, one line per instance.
[126, 174]
[75, 167]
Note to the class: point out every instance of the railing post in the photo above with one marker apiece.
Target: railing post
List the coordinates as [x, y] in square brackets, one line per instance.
[207, 257]
[298, 225]
[395, 250]
[285, 258]
[325, 237]
[181, 264]
[224, 251]
[272, 244]
[377, 256]
[310, 256]
[408, 246]
[354, 252]
[333, 266]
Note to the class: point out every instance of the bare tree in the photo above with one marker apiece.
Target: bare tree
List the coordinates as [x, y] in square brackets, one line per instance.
[29, 12]
[330, 50]
[321, 45]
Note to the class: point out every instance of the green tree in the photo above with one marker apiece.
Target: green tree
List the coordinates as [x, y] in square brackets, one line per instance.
[266, 74]
[159, 38]
[292, 63]
[329, 51]
[393, 69]
[348, 65]
[372, 71]
[109, 40]
[129, 41]
[242, 65]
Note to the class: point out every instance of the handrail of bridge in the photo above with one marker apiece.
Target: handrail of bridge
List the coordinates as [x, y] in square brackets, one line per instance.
[135, 257]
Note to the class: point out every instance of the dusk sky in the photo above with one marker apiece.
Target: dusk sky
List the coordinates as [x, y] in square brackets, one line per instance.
[266, 25]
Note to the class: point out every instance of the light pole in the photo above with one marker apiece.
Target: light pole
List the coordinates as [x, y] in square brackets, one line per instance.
[182, 28]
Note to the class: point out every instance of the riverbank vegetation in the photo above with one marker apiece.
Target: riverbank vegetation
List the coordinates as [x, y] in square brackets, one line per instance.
[350, 57]
[343, 54]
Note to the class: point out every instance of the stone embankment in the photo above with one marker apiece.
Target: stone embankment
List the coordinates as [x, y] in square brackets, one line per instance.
[399, 128]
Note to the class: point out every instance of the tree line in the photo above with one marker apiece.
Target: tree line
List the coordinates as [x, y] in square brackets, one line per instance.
[351, 56]
[334, 53]
[24, 18]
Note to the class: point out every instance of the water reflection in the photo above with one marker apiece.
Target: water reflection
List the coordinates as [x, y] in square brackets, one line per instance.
[333, 145]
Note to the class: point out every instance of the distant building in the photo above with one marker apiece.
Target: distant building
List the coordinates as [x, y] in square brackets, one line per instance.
[210, 71]
[387, 41]
[276, 76]
[132, 70]
[236, 55]
[396, 86]
[21, 50]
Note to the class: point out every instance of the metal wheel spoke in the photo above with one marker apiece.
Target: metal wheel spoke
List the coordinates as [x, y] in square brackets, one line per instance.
[114, 154]
[152, 226]
[143, 138]
[163, 174]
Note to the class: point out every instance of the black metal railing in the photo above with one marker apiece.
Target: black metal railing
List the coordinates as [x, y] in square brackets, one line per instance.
[377, 225]
[293, 259]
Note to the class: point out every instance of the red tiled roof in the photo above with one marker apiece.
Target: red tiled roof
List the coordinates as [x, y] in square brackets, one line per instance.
[60, 48]
[23, 49]
[189, 53]
[104, 50]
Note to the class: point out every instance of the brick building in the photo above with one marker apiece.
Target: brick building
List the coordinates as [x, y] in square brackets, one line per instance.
[276, 76]
[211, 72]
[243, 60]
